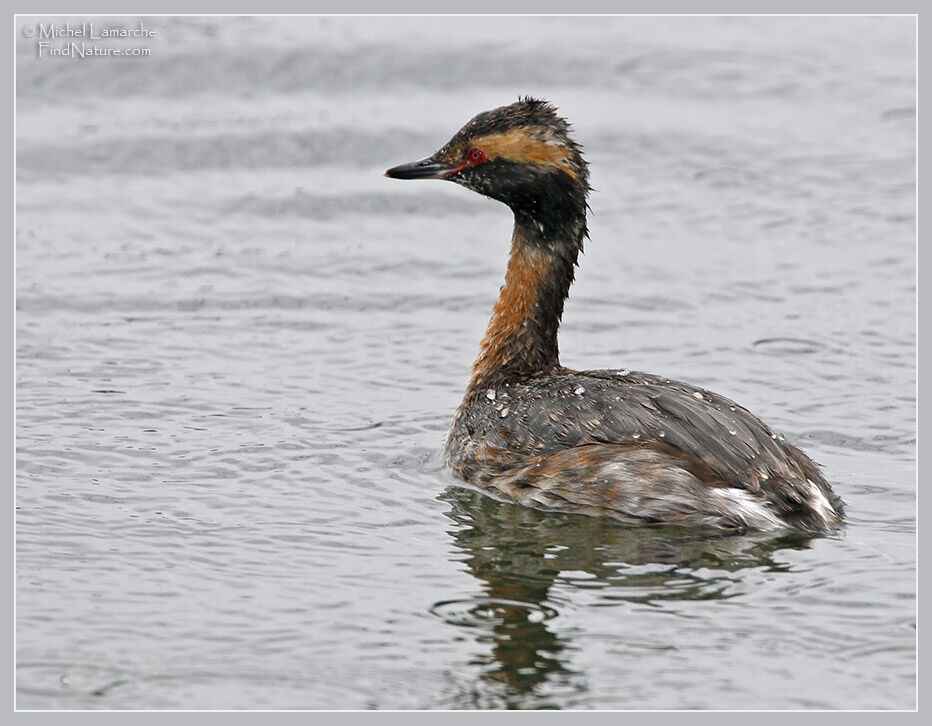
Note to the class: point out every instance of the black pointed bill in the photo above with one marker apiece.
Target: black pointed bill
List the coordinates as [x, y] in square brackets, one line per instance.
[427, 168]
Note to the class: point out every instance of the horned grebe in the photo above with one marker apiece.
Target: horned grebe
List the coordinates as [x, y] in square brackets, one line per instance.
[614, 443]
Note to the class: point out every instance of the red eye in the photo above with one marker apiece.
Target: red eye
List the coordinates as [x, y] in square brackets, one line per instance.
[475, 155]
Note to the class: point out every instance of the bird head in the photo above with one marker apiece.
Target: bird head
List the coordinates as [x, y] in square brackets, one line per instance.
[522, 155]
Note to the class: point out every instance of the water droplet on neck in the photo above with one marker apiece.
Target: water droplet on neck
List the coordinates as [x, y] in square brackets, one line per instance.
[490, 394]
[579, 390]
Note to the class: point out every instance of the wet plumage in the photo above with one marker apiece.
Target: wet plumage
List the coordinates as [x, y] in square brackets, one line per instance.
[631, 446]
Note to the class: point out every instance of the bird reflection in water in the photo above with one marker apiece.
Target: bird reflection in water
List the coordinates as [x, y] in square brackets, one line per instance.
[518, 555]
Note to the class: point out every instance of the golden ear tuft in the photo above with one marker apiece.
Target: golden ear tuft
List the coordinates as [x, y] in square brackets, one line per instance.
[527, 146]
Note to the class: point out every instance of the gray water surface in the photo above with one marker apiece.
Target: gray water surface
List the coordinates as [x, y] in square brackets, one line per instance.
[239, 348]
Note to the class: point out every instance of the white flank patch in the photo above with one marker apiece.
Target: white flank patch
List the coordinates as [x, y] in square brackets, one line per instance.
[754, 512]
[821, 504]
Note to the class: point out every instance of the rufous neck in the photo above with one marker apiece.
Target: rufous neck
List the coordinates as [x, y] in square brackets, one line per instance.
[521, 338]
